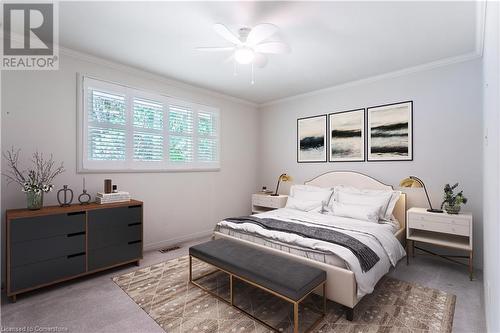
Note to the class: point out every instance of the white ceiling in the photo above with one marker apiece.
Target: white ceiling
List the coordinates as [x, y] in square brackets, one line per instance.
[332, 42]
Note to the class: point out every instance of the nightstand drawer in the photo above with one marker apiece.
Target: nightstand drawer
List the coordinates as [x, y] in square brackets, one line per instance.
[439, 227]
[448, 219]
[268, 201]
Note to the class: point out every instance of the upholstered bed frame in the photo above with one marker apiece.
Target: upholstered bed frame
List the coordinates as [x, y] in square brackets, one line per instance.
[341, 283]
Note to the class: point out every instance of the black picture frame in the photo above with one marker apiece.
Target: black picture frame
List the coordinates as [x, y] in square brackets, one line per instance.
[385, 156]
[363, 136]
[325, 141]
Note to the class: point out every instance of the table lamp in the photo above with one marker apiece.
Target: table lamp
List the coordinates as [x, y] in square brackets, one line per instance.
[413, 181]
[282, 178]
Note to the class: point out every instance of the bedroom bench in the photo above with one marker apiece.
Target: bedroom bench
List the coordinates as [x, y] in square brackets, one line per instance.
[280, 276]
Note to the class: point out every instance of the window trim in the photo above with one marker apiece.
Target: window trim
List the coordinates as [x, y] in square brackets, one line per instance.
[84, 165]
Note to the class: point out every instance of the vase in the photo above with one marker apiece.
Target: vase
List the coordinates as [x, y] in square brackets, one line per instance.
[34, 200]
[452, 209]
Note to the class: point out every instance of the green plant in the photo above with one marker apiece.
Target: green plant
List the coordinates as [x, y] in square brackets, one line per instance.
[451, 198]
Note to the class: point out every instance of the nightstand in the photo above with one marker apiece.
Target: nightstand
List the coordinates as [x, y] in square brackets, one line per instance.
[441, 229]
[264, 202]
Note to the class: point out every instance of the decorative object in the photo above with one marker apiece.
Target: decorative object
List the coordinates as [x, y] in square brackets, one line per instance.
[390, 132]
[283, 177]
[34, 181]
[413, 181]
[455, 231]
[84, 198]
[394, 306]
[115, 189]
[54, 243]
[65, 201]
[107, 186]
[453, 202]
[347, 136]
[311, 139]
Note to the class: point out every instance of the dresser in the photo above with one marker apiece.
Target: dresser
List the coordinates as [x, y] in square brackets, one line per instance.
[452, 231]
[56, 244]
[264, 202]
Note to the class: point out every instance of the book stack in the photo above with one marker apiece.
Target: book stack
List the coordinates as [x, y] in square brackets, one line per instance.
[104, 198]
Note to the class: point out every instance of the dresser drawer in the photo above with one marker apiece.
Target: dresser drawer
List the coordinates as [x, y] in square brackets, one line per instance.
[105, 237]
[113, 255]
[38, 227]
[439, 227]
[114, 217]
[33, 275]
[29, 252]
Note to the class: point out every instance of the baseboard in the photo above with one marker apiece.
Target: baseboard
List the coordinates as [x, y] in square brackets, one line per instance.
[178, 240]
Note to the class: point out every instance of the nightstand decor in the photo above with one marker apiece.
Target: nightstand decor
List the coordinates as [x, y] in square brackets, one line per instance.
[413, 181]
[453, 202]
[445, 230]
[282, 178]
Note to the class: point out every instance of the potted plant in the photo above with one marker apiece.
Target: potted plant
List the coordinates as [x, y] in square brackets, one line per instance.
[453, 202]
[34, 181]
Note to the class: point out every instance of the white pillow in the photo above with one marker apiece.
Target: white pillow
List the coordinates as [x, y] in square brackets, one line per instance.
[304, 205]
[351, 195]
[358, 212]
[310, 193]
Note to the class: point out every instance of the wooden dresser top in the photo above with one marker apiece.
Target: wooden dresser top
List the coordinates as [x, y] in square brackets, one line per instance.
[52, 210]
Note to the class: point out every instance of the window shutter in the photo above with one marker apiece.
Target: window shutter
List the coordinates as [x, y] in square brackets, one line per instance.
[180, 119]
[148, 130]
[106, 134]
[207, 137]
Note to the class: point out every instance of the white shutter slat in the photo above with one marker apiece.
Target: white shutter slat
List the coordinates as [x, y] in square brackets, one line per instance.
[148, 114]
[207, 150]
[106, 144]
[181, 149]
[180, 119]
[148, 147]
[106, 107]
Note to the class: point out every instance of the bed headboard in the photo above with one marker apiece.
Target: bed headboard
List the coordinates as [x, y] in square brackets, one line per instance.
[359, 180]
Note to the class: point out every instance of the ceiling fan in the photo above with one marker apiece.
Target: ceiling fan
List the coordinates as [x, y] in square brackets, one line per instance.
[251, 45]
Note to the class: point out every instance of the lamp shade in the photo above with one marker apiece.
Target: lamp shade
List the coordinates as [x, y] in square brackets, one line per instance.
[286, 178]
[411, 182]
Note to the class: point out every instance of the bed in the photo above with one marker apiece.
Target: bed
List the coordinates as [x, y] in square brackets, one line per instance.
[342, 287]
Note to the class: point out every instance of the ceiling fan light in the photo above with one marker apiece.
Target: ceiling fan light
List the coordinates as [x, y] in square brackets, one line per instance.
[244, 55]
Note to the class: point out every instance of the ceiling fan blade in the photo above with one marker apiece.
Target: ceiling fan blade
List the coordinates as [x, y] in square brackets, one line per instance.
[260, 60]
[216, 48]
[272, 47]
[261, 32]
[225, 33]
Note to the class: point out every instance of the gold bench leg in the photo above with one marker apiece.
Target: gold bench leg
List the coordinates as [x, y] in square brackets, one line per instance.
[296, 317]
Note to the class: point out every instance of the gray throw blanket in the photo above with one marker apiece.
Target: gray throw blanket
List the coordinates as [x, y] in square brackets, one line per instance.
[367, 258]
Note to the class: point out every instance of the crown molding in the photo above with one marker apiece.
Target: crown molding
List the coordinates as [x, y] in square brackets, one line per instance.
[476, 54]
[149, 75]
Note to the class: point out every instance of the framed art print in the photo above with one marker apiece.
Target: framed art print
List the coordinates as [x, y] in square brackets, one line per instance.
[390, 132]
[311, 139]
[347, 136]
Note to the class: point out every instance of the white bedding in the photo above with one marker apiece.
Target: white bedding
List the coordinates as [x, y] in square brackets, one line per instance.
[379, 237]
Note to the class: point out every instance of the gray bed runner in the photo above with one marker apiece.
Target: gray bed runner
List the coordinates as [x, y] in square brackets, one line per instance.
[367, 258]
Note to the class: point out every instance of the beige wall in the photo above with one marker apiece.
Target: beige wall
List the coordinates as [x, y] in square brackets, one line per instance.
[39, 112]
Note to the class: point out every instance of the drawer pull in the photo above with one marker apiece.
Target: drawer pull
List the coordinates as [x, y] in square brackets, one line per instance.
[134, 206]
[134, 242]
[135, 223]
[76, 213]
[76, 234]
[75, 255]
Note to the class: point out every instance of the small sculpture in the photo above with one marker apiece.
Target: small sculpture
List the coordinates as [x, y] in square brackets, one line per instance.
[84, 198]
[65, 202]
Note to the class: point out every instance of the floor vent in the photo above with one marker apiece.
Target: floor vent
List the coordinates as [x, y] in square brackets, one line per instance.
[168, 249]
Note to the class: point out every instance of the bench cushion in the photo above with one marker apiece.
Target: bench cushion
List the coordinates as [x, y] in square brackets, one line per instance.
[282, 275]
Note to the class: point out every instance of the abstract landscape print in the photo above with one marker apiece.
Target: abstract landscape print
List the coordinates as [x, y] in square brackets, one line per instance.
[390, 132]
[311, 139]
[347, 136]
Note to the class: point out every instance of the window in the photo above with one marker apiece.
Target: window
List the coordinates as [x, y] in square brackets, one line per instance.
[125, 129]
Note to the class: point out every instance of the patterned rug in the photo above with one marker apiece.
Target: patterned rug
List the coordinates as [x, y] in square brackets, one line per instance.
[163, 292]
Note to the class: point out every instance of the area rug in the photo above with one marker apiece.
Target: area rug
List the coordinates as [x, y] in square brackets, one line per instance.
[163, 292]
